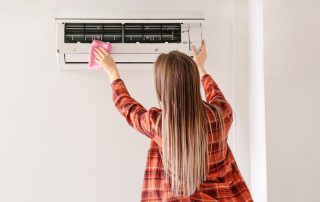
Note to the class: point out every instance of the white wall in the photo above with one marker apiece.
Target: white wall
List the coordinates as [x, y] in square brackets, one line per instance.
[60, 136]
[240, 91]
[258, 160]
[292, 70]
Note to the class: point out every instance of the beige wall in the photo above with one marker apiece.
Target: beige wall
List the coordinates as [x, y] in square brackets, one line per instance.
[292, 70]
[60, 136]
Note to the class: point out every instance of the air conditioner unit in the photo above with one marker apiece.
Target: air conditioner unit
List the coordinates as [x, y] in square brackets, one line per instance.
[134, 40]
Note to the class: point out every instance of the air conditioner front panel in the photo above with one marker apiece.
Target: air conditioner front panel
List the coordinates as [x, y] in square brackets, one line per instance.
[82, 58]
[130, 48]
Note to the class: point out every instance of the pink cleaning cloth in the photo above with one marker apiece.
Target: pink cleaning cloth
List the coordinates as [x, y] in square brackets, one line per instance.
[97, 44]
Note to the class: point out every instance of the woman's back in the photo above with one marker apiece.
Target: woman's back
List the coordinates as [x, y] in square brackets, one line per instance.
[223, 182]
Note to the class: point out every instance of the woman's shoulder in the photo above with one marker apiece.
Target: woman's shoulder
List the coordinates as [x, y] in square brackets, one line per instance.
[154, 111]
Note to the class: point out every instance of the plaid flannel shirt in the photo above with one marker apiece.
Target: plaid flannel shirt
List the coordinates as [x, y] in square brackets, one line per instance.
[224, 181]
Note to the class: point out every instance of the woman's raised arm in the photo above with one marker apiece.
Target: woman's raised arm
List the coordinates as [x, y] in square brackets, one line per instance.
[212, 91]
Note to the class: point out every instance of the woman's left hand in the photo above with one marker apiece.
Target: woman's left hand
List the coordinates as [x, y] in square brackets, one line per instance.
[104, 59]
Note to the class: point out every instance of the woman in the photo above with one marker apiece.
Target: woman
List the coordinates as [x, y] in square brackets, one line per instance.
[189, 158]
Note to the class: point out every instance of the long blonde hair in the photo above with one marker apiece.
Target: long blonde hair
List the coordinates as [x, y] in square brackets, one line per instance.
[184, 128]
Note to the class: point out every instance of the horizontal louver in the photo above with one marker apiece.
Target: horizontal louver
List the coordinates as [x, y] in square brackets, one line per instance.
[128, 33]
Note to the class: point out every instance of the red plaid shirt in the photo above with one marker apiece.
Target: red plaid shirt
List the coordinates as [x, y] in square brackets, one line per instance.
[224, 181]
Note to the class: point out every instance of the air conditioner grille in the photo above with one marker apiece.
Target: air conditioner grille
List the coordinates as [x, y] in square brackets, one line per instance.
[152, 32]
[126, 33]
[86, 32]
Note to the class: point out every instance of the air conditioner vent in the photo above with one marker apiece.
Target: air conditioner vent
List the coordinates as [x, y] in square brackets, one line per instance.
[152, 32]
[86, 32]
[133, 32]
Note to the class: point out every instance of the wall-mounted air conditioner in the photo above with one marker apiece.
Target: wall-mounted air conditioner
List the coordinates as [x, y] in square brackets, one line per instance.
[134, 40]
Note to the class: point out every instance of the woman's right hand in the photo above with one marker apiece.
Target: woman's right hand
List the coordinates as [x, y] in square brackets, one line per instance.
[201, 57]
